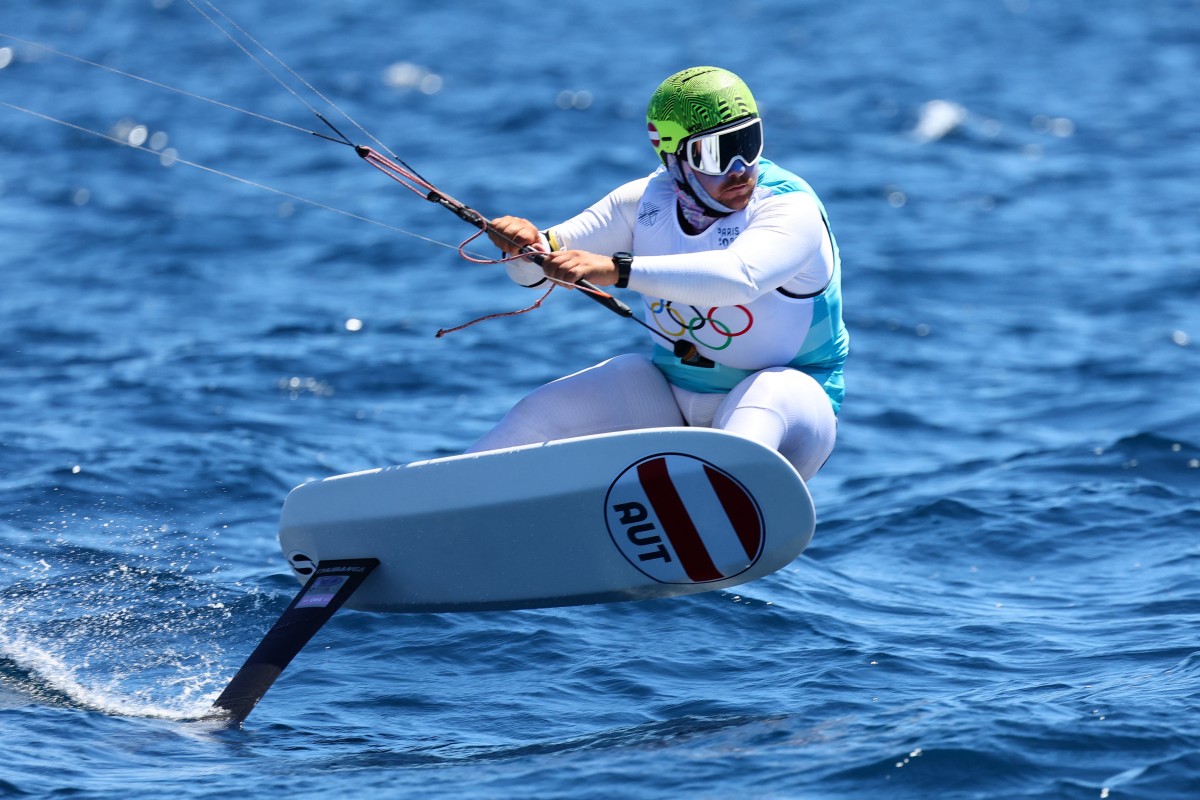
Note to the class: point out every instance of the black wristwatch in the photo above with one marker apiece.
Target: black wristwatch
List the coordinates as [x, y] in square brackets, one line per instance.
[623, 262]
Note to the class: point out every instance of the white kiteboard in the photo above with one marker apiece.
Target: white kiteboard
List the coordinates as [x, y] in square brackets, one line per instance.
[622, 516]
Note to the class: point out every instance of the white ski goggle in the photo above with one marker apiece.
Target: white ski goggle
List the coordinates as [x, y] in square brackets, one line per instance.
[714, 152]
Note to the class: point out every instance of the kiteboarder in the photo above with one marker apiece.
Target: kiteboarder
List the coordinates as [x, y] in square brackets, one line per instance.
[733, 256]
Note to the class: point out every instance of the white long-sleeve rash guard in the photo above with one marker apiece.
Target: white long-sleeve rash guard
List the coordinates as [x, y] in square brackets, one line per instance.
[718, 289]
[779, 240]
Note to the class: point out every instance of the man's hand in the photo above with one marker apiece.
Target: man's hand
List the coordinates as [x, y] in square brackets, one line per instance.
[572, 266]
[510, 234]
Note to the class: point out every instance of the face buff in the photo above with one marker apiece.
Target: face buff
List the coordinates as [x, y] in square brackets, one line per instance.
[697, 207]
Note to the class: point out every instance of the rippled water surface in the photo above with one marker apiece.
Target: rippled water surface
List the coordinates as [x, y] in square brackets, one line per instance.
[1003, 593]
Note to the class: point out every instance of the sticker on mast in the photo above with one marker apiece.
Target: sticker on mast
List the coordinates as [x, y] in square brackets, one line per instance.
[680, 519]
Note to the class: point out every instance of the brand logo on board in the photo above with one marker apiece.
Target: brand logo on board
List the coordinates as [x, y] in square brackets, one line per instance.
[680, 519]
[301, 564]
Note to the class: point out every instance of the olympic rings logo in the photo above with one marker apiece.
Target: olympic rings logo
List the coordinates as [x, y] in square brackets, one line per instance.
[702, 326]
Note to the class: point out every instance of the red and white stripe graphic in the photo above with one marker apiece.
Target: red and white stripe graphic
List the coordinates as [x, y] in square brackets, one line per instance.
[655, 139]
[679, 519]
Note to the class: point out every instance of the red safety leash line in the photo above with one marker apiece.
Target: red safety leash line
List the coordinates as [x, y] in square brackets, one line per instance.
[395, 171]
[407, 178]
[442, 332]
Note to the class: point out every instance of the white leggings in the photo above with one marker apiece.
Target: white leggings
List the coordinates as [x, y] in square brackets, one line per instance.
[779, 407]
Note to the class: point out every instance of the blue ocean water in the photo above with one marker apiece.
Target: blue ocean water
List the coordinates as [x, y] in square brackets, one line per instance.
[1003, 594]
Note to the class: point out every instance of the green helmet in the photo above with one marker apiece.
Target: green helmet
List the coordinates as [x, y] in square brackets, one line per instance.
[692, 101]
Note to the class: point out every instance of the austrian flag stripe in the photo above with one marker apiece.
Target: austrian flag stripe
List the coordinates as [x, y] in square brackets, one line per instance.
[740, 510]
[677, 523]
